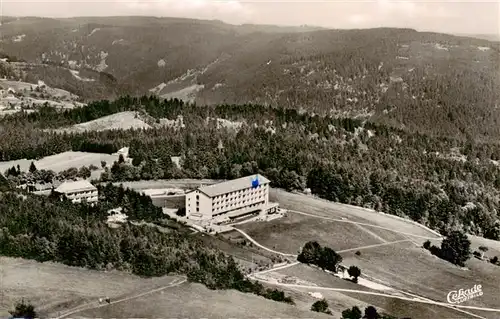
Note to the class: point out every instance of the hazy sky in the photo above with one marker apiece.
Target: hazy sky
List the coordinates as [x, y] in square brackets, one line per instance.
[472, 17]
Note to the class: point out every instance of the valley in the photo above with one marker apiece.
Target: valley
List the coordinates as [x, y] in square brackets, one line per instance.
[419, 81]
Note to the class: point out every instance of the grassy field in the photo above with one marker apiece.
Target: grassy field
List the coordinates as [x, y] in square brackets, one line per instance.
[166, 183]
[290, 233]
[196, 301]
[62, 161]
[118, 121]
[338, 301]
[323, 208]
[176, 201]
[246, 256]
[54, 287]
[415, 270]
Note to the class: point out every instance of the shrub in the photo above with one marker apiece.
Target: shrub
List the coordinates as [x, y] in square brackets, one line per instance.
[321, 306]
[427, 244]
[24, 310]
[354, 272]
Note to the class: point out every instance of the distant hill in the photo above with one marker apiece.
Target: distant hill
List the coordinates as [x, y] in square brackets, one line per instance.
[429, 82]
[489, 37]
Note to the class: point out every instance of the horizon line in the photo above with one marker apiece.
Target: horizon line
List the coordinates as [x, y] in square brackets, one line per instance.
[497, 35]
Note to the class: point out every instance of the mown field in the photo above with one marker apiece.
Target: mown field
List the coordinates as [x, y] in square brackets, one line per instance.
[393, 306]
[328, 209]
[62, 161]
[248, 256]
[118, 121]
[196, 301]
[53, 288]
[290, 233]
[415, 270]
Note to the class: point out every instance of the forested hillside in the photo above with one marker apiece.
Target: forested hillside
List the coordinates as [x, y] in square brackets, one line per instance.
[426, 82]
[445, 183]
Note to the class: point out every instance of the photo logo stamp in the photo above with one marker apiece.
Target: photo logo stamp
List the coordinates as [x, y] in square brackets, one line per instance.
[462, 295]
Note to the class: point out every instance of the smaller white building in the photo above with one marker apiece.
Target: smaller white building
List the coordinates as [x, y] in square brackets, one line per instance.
[123, 151]
[79, 191]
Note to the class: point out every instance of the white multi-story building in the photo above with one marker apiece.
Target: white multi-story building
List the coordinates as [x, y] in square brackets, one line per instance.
[79, 191]
[229, 200]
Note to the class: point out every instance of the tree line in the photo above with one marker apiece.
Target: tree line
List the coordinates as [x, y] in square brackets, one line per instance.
[443, 183]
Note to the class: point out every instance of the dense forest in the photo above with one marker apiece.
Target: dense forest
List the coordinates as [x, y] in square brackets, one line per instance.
[48, 229]
[444, 183]
[427, 82]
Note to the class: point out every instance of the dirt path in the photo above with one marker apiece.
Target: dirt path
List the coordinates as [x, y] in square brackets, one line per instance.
[373, 246]
[377, 237]
[90, 306]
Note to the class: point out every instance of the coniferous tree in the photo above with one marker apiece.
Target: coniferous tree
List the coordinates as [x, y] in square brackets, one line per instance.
[32, 168]
[456, 248]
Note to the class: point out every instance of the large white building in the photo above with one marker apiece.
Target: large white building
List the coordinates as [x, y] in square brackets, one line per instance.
[229, 200]
[79, 191]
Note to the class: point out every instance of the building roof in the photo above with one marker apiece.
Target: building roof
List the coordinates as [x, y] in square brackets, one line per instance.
[232, 185]
[82, 185]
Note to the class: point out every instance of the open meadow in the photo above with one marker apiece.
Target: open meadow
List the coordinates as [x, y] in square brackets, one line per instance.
[58, 290]
[326, 209]
[196, 301]
[62, 161]
[54, 288]
[166, 183]
[117, 121]
[339, 300]
[290, 233]
[415, 270]
[248, 256]
[397, 262]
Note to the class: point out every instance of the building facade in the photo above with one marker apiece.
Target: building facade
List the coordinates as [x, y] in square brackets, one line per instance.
[229, 200]
[79, 191]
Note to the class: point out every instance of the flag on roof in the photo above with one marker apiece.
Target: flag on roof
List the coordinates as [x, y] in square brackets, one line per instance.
[255, 182]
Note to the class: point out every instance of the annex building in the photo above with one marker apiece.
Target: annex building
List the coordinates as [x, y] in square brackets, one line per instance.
[228, 201]
[78, 191]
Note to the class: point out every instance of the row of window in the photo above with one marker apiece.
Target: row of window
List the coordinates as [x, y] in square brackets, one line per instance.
[81, 195]
[249, 206]
[246, 191]
[83, 192]
[245, 196]
[219, 206]
[88, 199]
